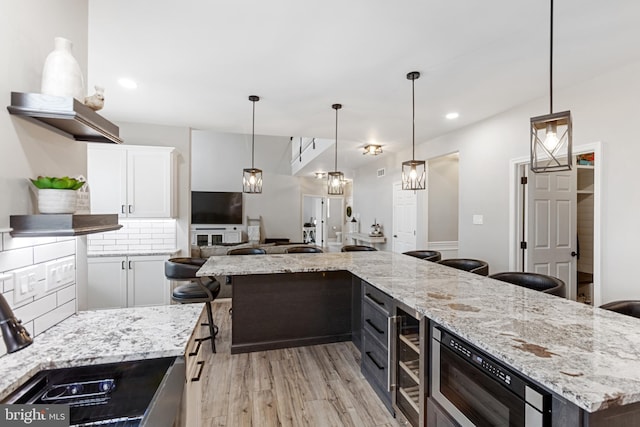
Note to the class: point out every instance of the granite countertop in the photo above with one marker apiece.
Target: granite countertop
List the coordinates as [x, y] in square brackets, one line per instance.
[103, 336]
[587, 355]
[133, 252]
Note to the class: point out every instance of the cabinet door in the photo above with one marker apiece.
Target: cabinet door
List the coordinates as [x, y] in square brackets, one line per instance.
[107, 283]
[107, 178]
[149, 187]
[147, 284]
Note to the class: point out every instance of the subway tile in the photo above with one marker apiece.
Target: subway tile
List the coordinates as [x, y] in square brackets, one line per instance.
[53, 317]
[54, 250]
[115, 247]
[163, 246]
[149, 230]
[145, 236]
[169, 241]
[16, 258]
[65, 295]
[9, 242]
[36, 309]
[157, 225]
[96, 236]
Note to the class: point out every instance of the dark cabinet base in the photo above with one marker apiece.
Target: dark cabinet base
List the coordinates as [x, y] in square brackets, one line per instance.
[273, 311]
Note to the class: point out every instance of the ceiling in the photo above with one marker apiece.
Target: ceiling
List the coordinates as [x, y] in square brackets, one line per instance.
[196, 62]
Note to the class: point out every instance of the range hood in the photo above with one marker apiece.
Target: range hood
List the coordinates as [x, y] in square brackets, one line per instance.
[64, 115]
[48, 225]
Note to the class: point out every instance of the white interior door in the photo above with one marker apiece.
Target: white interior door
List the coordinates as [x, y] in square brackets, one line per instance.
[551, 231]
[404, 219]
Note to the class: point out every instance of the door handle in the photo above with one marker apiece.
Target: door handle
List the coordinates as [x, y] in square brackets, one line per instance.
[575, 254]
[395, 236]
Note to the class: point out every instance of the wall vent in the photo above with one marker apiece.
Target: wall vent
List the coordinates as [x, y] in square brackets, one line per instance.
[380, 173]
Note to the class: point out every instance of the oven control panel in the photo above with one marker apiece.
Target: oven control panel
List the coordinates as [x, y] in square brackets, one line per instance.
[483, 362]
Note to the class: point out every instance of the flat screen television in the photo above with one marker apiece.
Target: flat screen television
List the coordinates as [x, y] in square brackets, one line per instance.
[216, 207]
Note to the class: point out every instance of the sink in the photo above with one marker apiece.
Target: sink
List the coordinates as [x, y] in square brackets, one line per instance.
[125, 391]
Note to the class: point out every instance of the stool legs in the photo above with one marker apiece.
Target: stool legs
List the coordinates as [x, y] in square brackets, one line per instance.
[213, 329]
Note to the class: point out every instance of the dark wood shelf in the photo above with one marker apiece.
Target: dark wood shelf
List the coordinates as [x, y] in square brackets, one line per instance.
[48, 225]
[64, 115]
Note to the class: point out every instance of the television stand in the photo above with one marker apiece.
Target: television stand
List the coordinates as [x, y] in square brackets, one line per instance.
[209, 235]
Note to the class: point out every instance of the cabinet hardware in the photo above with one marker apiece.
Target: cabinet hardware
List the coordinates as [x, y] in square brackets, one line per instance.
[123, 267]
[130, 208]
[392, 352]
[129, 265]
[197, 349]
[122, 210]
[374, 300]
[375, 362]
[201, 364]
[378, 330]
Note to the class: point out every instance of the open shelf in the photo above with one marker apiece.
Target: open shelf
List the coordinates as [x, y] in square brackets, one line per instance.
[412, 368]
[61, 224]
[412, 396]
[64, 115]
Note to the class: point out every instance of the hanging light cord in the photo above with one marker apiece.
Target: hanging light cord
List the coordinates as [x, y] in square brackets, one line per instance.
[413, 119]
[336, 151]
[253, 133]
[551, 62]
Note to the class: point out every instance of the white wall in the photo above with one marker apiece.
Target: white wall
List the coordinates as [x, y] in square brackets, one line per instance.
[217, 163]
[180, 139]
[27, 150]
[443, 199]
[603, 109]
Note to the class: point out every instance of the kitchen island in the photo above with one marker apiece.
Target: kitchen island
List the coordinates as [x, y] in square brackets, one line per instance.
[586, 355]
[104, 336]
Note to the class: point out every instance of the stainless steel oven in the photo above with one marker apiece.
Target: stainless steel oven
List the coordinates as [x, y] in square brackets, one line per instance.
[477, 390]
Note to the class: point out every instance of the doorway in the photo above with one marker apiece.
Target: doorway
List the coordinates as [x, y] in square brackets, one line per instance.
[322, 219]
[405, 206]
[555, 223]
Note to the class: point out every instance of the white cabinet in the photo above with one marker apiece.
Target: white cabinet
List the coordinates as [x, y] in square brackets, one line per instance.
[133, 181]
[126, 281]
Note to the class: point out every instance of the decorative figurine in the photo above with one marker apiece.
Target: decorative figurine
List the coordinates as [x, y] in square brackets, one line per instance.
[95, 101]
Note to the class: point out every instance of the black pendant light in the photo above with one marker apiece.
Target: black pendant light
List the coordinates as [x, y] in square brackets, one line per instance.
[335, 179]
[252, 178]
[414, 172]
[551, 134]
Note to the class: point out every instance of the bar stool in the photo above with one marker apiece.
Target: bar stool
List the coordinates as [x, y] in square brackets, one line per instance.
[467, 264]
[304, 250]
[199, 289]
[627, 307]
[357, 248]
[537, 282]
[433, 256]
[246, 251]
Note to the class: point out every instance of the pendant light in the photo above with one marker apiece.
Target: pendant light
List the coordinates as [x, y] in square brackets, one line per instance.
[335, 179]
[414, 171]
[252, 178]
[551, 134]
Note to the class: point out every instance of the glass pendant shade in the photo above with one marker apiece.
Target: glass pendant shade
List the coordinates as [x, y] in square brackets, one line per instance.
[551, 134]
[414, 174]
[252, 177]
[551, 142]
[335, 183]
[252, 180]
[335, 179]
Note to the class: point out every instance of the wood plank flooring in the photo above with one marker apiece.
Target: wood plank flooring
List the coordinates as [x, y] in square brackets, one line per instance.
[305, 386]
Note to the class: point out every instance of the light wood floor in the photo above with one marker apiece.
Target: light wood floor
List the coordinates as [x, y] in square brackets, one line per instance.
[305, 386]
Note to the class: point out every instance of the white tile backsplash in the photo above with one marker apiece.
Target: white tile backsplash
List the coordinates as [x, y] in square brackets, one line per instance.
[42, 311]
[136, 235]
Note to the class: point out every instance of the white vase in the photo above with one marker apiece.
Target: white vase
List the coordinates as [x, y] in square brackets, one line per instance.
[61, 75]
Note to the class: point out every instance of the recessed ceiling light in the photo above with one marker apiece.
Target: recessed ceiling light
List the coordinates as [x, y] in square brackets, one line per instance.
[452, 115]
[128, 83]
